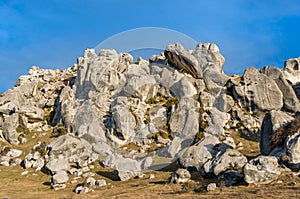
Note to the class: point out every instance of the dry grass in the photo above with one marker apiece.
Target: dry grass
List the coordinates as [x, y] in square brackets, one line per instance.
[36, 184]
[14, 185]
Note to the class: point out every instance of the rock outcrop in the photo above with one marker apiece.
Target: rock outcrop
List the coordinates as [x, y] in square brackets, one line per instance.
[132, 116]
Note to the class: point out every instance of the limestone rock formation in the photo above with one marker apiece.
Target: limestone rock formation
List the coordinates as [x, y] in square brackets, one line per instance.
[261, 170]
[134, 116]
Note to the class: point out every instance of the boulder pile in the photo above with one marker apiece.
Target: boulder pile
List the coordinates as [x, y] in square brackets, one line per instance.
[129, 116]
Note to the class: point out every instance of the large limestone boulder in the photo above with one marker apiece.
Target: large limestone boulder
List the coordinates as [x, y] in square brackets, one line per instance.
[271, 122]
[211, 62]
[217, 122]
[260, 90]
[195, 156]
[261, 170]
[290, 99]
[87, 123]
[182, 60]
[66, 150]
[207, 54]
[10, 125]
[292, 147]
[231, 159]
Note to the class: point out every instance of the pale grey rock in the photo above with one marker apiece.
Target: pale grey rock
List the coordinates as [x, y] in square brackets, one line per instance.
[182, 60]
[128, 168]
[292, 147]
[64, 109]
[38, 164]
[184, 126]
[183, 88]
[60, 177]
[123, 122]
[206, 99]
[4, 160]
[271, 122]
[261, 170]
[195, 156]
[209, 53]
[271, 72]
[100, 74]
[100, 183]
[231, 159]
[230, 142]
[211, 62]
[165, 75]
[180, 176]
[82, 190]
[142, 87]
[260, 90]
[183, 121]
[292, 70]
[101, 148]
[13, 153]
[32, 112]
[211, 187]
[9, 128]
[75, 172]
[15, 98]
[90, 182]
[224, 103]
[24, 172]
[87, 122]
[158, 117]
[290, 99]
[56, 165]
[68, 149]
[217, 122]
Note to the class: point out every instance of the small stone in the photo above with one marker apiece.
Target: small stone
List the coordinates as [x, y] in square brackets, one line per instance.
[14, 153]
[100, 183]
[293, 183]
[82, 190]
[18, 161]
[151, 176]
[4, 163]
[24, 173]
[211, 187]
[61, 177]
[180, 176]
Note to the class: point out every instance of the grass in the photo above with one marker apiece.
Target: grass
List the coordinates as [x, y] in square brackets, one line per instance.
[283, 132]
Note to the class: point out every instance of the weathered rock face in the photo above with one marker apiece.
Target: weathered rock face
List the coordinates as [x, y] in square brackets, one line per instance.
[211, 63]
[292, 70]
[180, 176]
[195, 156]
[271, 122]
[67, 150]
[261, 170]
[181, 59]
[231, 159]
[292, 147]
[290, 99]
[259, 90]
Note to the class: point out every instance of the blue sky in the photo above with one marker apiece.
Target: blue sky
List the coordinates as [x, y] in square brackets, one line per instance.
[52, 34]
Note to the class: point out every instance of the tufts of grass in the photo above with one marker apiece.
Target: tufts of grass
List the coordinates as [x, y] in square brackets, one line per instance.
[283, 132]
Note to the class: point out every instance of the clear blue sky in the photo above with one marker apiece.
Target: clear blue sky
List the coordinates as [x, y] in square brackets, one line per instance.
[52, 34]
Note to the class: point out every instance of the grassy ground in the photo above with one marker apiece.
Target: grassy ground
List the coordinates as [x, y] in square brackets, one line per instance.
[36, 184]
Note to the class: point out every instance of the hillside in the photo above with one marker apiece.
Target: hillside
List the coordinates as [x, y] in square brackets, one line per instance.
[171, 126]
